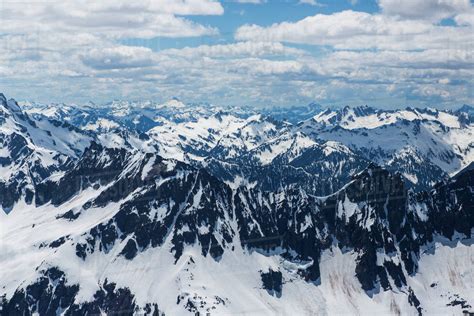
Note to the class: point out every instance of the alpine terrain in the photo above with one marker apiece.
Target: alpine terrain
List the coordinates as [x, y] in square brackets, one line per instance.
[195, 209]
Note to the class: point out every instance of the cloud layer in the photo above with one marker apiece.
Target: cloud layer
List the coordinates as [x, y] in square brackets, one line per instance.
[115, 19]
[360, 30]
[434, 10]
[400, 55]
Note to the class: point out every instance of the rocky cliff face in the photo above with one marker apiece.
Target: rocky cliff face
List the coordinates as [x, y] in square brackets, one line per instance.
[153, 203]
[118, 229]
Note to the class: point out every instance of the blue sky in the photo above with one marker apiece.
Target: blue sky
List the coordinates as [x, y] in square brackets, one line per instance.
[385, 53]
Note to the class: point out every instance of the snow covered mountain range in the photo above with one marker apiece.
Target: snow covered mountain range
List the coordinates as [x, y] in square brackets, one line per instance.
[276, 147]
[181, 209]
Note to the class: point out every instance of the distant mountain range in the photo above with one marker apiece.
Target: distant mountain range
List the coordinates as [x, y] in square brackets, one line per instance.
[425, 145]
[145, 208]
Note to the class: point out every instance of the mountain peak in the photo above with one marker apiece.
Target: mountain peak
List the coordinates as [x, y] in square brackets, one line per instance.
[364, 110]
[10, 105]
[378, 180]
[466, 108]
[296, 206]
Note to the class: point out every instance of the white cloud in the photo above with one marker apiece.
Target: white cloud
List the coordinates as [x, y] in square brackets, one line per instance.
[113, 19]
[118, 57]
[66, 49]
[259, 66]
[236, 49]
[251, 1]
[324, 29]
[79, 39]
[431, 91]
[412, 60]
[466, 18]
[246, 72]
[310, 2]
[359, 30]
[427, 59]
[433, 10]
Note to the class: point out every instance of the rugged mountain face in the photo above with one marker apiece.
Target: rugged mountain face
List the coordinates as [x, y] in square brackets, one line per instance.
[294, 114]
[33, 150]
[140, 116]
[291, 161]
[236, 226]
[259, 151]
[466, 114]
[425, 145]
[117, 213]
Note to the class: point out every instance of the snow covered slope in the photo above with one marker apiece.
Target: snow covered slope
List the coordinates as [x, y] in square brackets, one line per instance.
[32, 150]
[227, 213]
[425, 145]
[367, 117]
[137, 115]
[131, 232]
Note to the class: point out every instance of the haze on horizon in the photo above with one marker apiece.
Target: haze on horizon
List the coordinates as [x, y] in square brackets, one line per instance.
[383, 53]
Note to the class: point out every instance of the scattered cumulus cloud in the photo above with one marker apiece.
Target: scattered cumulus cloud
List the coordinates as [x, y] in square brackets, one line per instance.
[399, 55]
[110, 19]
[243, 49]
[433, 10]
[251, 1]
[466, 18]
[359, 30]
[118, 57]
[310, 2]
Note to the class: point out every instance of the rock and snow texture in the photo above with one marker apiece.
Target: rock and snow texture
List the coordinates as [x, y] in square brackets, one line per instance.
[425, 145]
[228, 222]
[32, 150]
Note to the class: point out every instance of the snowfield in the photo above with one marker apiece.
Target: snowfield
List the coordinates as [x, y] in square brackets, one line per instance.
[179, 209]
